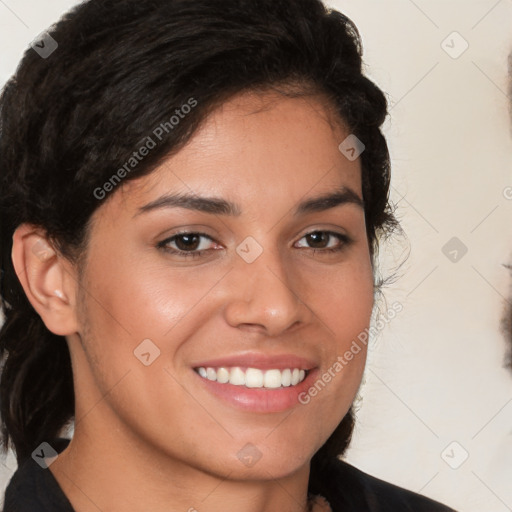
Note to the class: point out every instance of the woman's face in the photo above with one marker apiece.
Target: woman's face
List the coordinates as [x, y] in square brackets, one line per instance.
[274, 281]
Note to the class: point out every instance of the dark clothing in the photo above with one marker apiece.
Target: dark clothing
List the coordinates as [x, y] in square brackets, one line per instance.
[34, 489]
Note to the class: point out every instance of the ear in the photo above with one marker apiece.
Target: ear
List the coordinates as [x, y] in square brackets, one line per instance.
[48, 279]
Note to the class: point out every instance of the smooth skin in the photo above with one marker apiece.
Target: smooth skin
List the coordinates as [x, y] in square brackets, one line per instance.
[154, 437]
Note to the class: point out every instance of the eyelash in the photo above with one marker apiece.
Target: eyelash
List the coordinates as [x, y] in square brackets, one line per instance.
[163, 245]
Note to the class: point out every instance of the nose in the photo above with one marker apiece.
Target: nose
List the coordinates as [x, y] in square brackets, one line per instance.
[264, 296]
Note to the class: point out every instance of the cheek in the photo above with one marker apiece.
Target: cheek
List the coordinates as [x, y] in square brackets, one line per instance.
[343, 298]
[145, 300]
[131, 301]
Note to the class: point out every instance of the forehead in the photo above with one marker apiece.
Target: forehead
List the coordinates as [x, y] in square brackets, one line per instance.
[260, 149]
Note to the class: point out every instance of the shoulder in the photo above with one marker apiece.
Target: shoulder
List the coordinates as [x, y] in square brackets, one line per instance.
[348, 488]
[34, 489]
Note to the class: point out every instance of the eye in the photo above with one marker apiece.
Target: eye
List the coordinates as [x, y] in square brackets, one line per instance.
[187, 244]
[193, 245]
[326, 241]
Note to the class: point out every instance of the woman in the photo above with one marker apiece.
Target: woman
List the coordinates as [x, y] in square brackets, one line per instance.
[192, 195]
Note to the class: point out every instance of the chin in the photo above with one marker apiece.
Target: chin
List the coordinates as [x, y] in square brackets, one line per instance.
[267, 463]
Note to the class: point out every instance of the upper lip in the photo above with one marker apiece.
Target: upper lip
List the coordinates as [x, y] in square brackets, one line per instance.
[261, 361]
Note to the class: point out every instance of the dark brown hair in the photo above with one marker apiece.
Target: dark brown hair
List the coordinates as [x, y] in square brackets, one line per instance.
[121, 68]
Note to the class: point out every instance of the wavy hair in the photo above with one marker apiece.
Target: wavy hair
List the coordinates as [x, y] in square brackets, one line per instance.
[69, 120]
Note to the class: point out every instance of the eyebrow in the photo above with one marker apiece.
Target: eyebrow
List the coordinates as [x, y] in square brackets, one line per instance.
[219, 206]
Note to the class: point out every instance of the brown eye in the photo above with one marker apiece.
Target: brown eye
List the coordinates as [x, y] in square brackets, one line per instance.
[327, 241]
[318, 239]
[187, 242]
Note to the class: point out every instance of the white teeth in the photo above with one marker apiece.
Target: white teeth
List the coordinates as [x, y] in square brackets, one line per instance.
[272, 379]
[254, 377]
[222, 375]
[286, 377]
[237, 377]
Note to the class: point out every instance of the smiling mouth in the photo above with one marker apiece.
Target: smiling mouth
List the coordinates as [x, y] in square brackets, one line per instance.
[254, 377]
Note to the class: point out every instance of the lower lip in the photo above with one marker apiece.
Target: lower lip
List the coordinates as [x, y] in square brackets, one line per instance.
[259, 399]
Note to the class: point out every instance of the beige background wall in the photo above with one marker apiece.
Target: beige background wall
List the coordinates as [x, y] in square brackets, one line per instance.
[436, 408]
